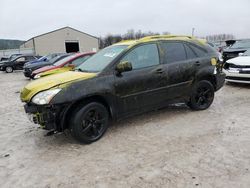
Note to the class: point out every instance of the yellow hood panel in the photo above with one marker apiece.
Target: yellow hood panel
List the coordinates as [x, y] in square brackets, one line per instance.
[48, 82]
[55, 71]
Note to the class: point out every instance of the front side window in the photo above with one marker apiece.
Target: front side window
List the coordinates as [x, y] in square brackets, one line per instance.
[173, 52]
[20, 59]
[143, 56]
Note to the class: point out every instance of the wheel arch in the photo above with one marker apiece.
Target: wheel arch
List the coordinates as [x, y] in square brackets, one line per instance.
[209, 78]
[206, 74]
[67, 114]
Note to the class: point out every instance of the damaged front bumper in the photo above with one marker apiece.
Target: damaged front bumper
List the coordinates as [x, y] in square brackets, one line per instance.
[48, 117]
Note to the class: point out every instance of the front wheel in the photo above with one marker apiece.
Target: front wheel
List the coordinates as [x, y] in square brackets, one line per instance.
[89, 123]
[8, 69]
[202, 95]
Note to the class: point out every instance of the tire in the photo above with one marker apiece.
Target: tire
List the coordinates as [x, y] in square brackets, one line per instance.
[89, 123]
[8, 69]
[202, 95]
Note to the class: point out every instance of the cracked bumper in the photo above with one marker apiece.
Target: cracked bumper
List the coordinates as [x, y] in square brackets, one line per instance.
[45, 116]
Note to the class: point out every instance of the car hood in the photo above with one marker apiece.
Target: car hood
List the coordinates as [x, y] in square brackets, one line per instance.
[57, 80]
[241, 60]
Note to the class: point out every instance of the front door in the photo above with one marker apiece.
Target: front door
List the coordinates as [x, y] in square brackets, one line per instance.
[19, 63]
[138, 88]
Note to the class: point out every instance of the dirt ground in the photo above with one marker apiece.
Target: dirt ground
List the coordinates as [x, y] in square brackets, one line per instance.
[173, 147]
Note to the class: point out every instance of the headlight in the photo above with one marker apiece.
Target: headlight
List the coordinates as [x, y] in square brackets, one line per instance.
[37, 76]
[45, 97]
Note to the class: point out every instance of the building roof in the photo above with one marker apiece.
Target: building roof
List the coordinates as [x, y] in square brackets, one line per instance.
[67, 27]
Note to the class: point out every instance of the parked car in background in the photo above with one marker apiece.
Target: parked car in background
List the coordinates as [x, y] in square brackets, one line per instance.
[216, 50]
[44, 58]
[125, 79]
[12, 56]
[29, 68]
[238, 68]
[16, 63]
[239, 46]
[66, 64]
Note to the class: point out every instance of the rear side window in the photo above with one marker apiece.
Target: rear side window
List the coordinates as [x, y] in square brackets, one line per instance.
[198, 51]
[29, 58]
[190, 52]
[173, 52]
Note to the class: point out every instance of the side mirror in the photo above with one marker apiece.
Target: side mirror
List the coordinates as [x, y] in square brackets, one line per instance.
[124, 66]
[45, 59]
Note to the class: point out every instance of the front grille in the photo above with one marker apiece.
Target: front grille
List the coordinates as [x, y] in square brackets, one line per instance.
[237, 78]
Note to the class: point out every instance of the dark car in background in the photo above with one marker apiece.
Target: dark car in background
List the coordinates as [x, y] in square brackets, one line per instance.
[44, 58]
[239, 46]
[16, 63]
[29, 68]
[12, 56]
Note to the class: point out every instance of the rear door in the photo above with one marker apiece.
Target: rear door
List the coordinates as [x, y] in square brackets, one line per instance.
[138, 89]
[180, 65]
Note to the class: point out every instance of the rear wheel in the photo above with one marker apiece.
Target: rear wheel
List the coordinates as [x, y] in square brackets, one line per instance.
[9, 69]
[89, 123]
[202, 95]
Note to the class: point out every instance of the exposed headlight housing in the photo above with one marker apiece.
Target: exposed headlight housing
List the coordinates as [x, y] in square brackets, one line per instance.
[45, 97]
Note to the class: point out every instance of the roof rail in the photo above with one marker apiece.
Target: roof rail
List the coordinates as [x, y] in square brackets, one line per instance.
[165, 37]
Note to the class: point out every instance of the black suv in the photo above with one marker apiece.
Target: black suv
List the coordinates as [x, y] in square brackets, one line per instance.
[16, 63]
[127, 78]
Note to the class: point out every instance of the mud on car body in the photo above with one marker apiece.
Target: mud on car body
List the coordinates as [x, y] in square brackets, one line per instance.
[124, 79]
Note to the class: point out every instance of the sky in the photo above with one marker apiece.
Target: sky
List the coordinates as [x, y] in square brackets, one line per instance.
[24, 19]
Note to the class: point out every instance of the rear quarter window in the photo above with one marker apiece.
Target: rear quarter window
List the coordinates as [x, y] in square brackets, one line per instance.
[190, 53]
[199, 51]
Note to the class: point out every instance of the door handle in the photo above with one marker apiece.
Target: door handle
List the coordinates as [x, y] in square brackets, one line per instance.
[197, 63]
[159, 71]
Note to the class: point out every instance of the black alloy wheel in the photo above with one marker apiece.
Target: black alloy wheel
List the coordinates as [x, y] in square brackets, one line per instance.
[90, 122]
[202, 95]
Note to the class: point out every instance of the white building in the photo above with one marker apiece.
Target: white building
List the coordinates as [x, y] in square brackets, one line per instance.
[65, 39]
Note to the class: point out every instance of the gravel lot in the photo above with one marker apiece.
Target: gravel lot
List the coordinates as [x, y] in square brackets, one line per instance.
[173, 147]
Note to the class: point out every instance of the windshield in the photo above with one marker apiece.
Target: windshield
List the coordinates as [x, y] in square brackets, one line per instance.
[41, 58]
[241, 44]
[99, 61]
[247, 53]
[62, 61]
[57, 58]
